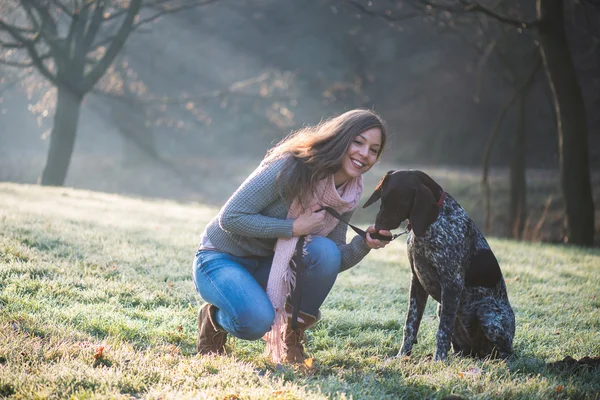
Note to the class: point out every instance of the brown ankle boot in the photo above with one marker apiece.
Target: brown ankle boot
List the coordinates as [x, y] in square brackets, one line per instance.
[211, 339]
[293, 338]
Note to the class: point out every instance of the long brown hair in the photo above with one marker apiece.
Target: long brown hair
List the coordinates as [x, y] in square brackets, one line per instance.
[318, 151]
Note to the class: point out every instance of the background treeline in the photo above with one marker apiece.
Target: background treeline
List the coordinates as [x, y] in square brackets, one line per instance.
[144, 93]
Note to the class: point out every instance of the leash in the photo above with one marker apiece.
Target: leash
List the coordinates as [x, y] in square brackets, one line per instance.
[362, 233]
[379, 236]
[300, 268]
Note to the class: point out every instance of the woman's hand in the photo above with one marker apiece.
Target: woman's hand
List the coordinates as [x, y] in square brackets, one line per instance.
[310, 221]
[376, 243]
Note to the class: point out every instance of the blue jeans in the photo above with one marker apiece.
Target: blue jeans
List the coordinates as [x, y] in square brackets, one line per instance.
[236, 286]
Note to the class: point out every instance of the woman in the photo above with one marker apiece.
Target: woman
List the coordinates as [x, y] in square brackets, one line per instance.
[242, 267]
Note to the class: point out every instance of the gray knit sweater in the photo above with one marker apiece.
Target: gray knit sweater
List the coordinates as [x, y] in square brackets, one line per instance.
[255, 216]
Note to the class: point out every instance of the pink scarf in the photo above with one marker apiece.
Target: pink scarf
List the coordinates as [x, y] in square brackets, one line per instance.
[282, 278]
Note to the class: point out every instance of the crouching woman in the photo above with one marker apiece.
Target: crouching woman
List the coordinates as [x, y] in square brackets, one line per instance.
[242, 266]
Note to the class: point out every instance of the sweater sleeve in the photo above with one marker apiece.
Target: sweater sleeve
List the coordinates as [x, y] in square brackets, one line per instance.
[241, 214]
[353, 252]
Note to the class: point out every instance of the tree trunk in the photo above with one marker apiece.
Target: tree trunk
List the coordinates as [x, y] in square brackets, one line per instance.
[571, 123]
[62, 138]
[518, 185]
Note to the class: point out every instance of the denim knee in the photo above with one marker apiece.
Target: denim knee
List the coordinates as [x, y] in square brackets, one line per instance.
[253, 325]
[324, 257]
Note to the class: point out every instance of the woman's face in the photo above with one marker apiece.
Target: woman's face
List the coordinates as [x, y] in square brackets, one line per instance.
[360, 157]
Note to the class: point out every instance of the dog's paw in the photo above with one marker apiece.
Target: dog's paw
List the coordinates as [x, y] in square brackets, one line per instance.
[405, 350]
[403, 357]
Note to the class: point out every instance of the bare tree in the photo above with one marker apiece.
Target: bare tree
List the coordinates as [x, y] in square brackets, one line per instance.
[570, 120]
[506, 53]
[72, 43]
[548, 25]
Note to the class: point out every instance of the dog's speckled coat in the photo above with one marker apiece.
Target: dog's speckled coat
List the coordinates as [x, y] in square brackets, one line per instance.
[450, 261]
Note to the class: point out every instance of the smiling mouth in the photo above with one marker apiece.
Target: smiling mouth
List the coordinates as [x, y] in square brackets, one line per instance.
[357, 163]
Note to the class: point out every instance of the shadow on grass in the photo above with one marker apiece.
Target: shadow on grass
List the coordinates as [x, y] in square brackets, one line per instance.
[577, 381]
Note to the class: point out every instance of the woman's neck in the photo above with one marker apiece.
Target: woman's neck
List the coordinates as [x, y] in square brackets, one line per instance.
[339, 180]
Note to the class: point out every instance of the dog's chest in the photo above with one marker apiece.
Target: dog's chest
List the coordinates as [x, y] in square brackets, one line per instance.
[427, 274]
[442, 251]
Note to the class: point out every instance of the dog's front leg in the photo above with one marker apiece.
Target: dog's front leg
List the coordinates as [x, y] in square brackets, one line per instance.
[451, 294]
[416, 306]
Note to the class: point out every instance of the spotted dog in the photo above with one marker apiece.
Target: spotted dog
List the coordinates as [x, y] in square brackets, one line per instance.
[450, 261]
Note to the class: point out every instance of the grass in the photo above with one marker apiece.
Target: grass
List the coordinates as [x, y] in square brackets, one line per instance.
[97, 301]
[212, 179]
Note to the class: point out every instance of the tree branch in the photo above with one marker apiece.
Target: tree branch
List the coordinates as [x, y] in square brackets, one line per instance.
[81, 17]
[500, 118]
[233, 89]
[190, 4]
[94, 26]
[115, 47]
[490, 144]
[385, 16]
[9, 27]
[27, 6]
[22, 64]
[62, 7]
[48, 29]
[476, 6]
[46, 18]
[7, 45]
[16, 64]
[37, 61]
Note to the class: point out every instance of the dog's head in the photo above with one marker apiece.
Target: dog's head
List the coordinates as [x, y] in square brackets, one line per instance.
[406, 194]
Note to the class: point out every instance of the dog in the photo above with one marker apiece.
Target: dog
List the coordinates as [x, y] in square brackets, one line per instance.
[451, 261]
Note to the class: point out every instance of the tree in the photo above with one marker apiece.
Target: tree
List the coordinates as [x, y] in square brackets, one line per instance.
[548, 25]
[505, 53]
[570, 120]
[72, 43]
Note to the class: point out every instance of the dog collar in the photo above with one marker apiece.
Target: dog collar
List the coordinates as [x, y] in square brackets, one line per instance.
[440, 202]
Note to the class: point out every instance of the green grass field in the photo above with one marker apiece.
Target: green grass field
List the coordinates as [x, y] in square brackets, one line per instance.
[97, 301]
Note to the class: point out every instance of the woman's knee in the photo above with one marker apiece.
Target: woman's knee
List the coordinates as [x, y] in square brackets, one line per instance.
[252, 325]
[324, 255]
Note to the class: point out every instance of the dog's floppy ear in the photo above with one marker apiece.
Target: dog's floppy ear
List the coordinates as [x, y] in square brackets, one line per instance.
[427, 181]
[376, 195]
[424, 210]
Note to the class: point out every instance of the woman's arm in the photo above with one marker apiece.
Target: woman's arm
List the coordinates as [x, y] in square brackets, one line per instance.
[241, 214]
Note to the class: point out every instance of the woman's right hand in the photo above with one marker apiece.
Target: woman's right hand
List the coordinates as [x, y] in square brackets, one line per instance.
[308, 222]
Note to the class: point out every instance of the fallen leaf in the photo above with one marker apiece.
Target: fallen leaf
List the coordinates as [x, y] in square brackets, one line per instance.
[308, 363]
[559, 388]
[99, 352]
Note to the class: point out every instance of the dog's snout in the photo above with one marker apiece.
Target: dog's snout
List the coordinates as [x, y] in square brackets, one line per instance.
[386, 221]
